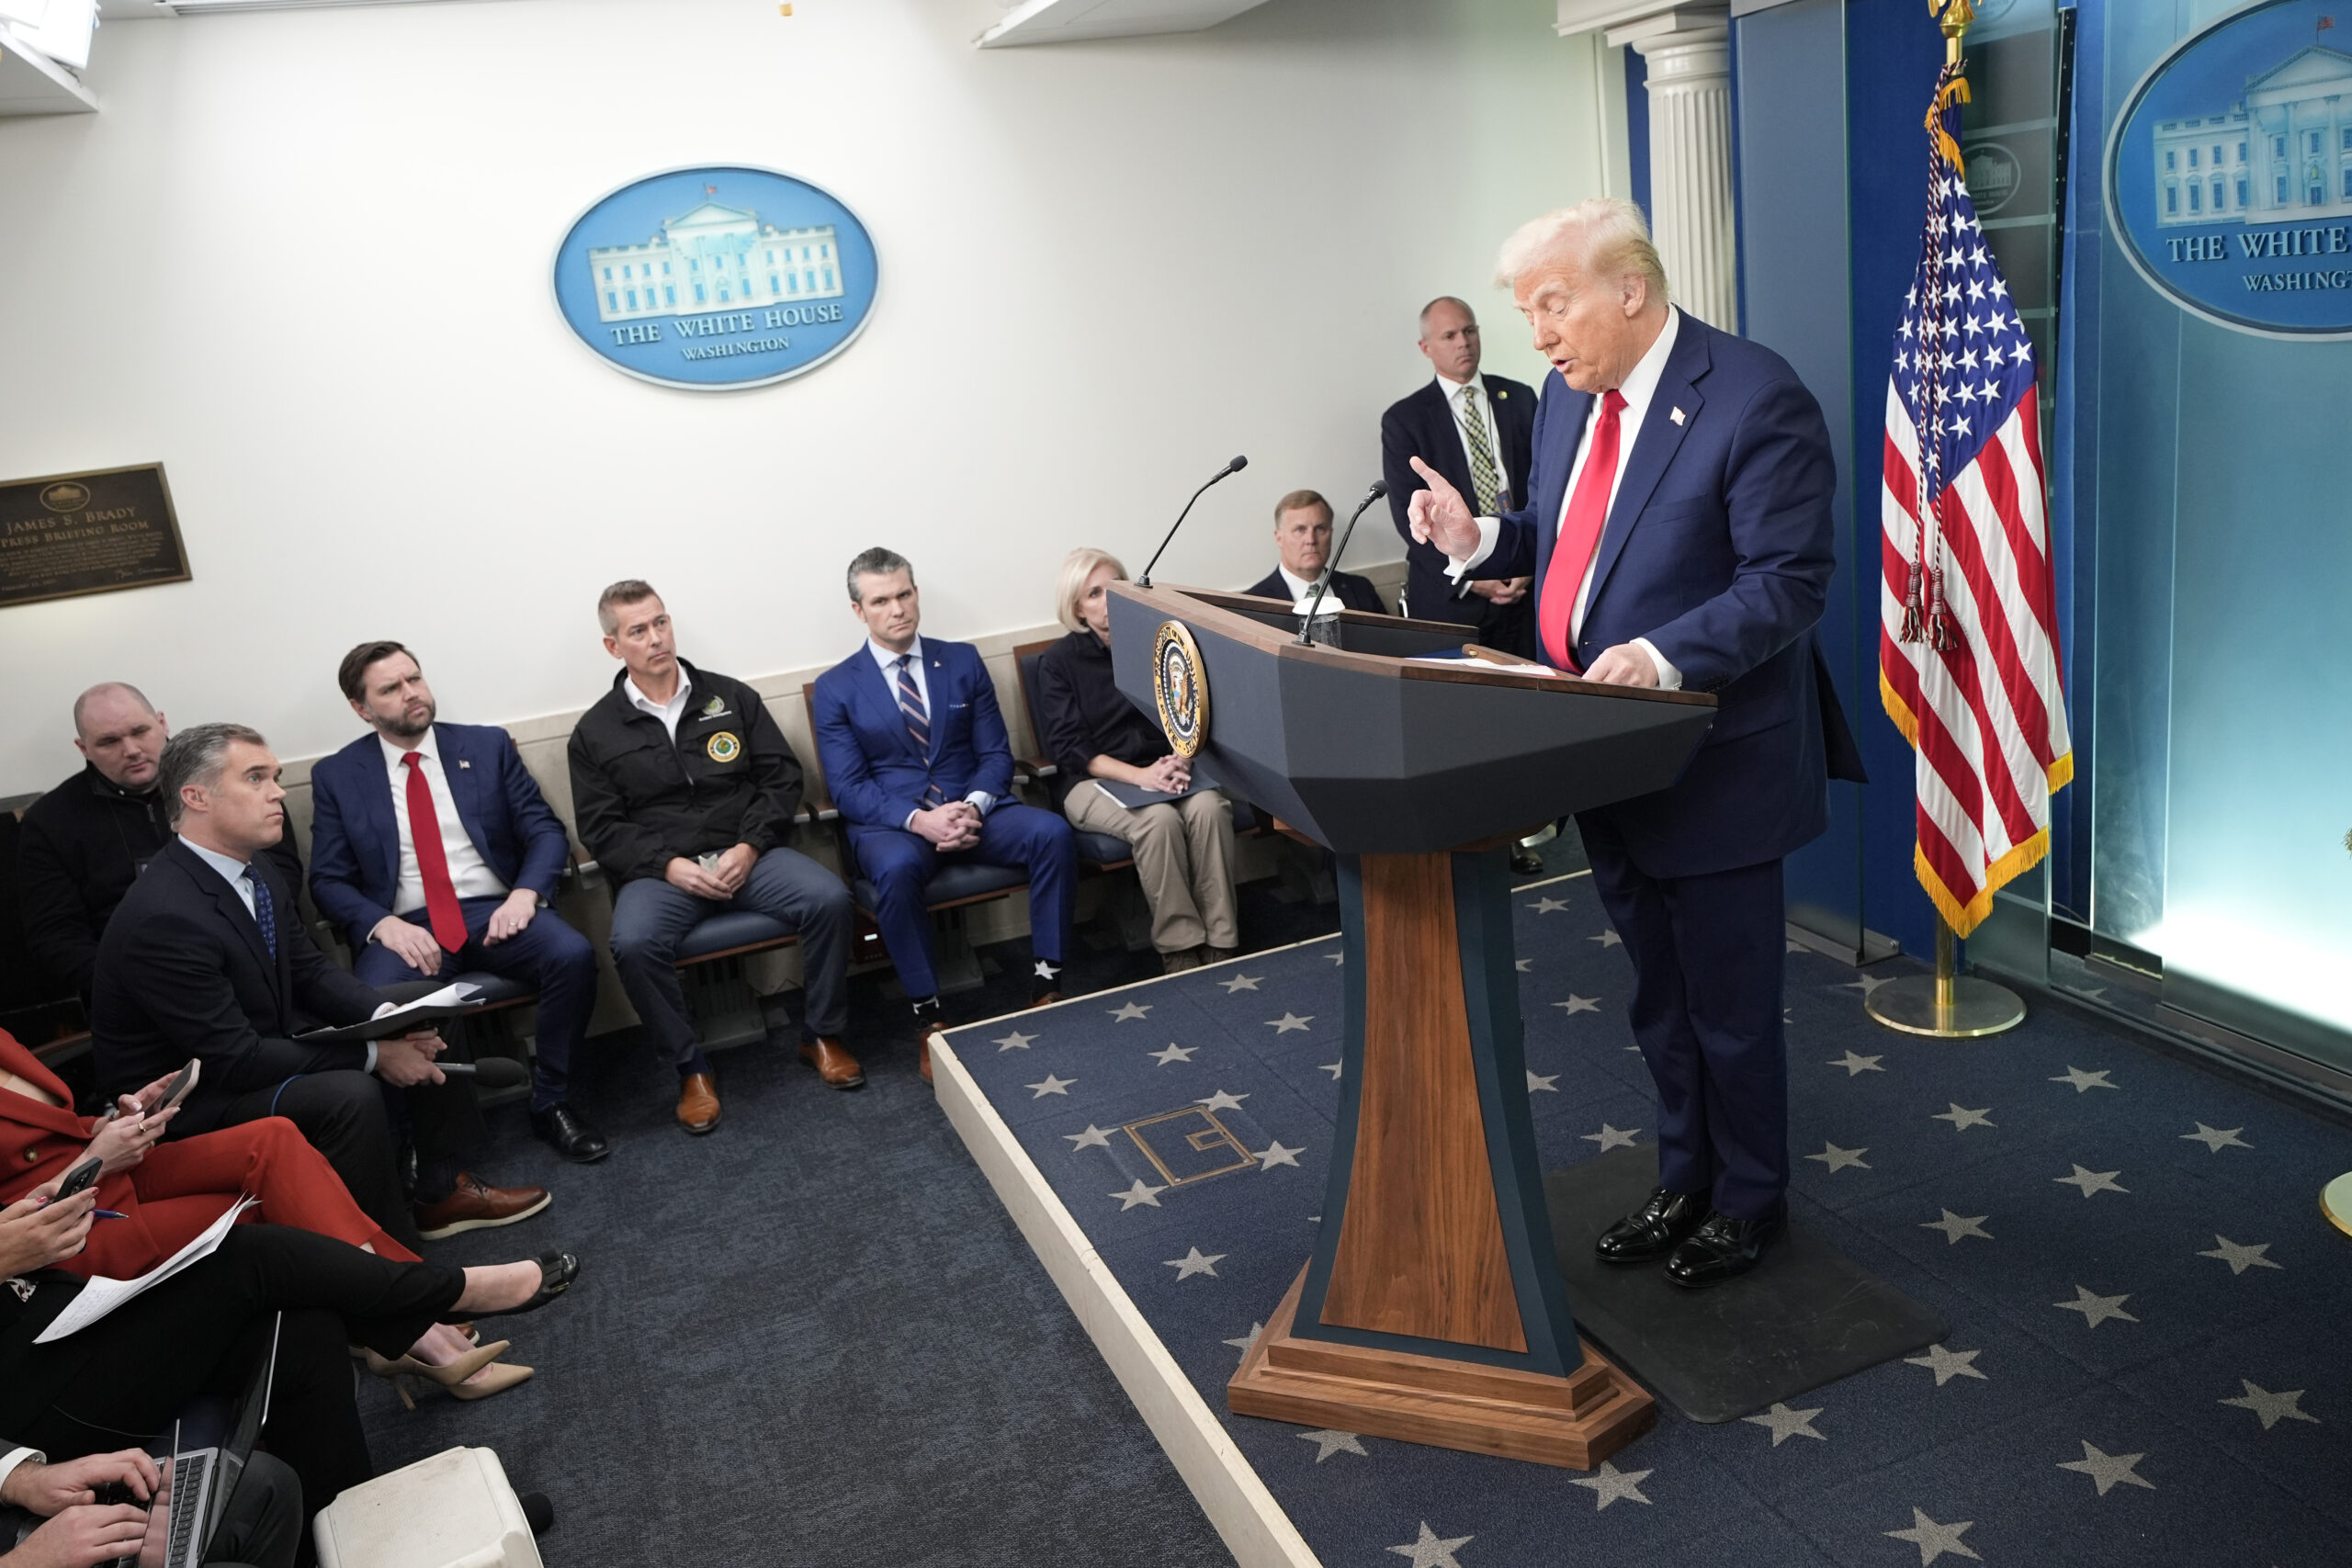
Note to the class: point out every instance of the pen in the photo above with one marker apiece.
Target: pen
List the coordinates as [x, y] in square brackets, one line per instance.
[107, 1214]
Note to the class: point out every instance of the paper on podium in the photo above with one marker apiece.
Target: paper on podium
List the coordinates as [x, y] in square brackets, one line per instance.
[449, 1001]
[102, 1295]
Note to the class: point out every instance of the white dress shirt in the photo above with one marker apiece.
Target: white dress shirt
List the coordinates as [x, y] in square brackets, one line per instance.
[14, 1456]
[1452, 391]
[981, 800]
[1640, 386]
[1303, 589]
[468, 871]
[669, 713]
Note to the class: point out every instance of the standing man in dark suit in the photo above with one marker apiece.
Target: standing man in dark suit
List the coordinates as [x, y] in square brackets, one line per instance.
[1303, 542]
[915, 752]
[1477, 431]
[430, 842]
[206, 958]
[1679, 535]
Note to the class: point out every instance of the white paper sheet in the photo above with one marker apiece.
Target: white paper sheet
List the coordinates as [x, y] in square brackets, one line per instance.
[102, 1295]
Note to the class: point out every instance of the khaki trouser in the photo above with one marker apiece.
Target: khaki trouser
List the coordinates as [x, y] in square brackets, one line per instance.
[1183, 853]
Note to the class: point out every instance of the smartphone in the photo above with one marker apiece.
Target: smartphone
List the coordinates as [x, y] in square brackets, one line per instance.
[80, 1178]
[175, 1090]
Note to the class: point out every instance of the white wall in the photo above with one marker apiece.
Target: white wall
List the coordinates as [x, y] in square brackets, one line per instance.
[1106, 268]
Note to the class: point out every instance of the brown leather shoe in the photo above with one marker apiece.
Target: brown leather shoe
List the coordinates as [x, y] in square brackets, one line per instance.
[923, 1057]
[698, 1102]
[474, 1205]
[1048, 1000]
[835, 1066]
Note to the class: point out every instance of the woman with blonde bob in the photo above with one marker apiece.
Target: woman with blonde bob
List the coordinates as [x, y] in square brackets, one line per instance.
[1184, 848]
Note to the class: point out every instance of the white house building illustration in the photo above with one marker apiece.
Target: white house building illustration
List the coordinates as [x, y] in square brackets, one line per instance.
[2281, 153]
[714, 258]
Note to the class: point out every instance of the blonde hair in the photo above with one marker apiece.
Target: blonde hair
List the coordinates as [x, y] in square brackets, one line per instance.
[1069, 584]
[1608, 235]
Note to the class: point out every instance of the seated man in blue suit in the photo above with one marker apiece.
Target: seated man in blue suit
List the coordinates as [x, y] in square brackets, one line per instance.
[1679, 536]
[468, 892]
[916, 755]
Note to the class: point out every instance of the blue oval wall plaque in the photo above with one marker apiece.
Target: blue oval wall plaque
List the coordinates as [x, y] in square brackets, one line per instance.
[714, 279]
[2228, 173]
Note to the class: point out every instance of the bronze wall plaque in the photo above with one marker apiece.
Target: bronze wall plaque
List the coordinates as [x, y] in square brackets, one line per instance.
[73, 534]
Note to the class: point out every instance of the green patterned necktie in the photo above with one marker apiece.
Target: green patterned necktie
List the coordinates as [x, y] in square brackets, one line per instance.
[1482, 456]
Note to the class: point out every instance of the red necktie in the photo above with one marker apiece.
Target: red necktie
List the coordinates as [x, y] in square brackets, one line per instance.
[1580, 528]
[441, 909]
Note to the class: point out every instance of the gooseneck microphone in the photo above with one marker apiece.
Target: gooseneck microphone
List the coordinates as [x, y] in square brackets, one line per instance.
[1235, 466]
[1379, 488]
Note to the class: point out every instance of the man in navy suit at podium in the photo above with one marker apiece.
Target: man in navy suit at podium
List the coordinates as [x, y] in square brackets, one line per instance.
[916, 756]
[1679, 532]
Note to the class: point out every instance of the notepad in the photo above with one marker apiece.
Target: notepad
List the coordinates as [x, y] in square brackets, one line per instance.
[449, 1001]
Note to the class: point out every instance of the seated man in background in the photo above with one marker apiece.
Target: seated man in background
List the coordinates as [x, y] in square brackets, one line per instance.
[685, 790]
[1184, 848]
[206, 958]
[435, 850]
[915, 752]
[1303, 538]
[87, 841]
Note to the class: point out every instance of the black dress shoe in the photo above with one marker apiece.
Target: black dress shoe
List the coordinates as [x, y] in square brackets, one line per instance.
[557, 1270]
[1526, 862]
[1652, 1230]
[561, 1128]
[1723, 1248]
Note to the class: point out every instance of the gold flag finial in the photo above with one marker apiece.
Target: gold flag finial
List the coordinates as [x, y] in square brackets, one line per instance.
[1953, 17]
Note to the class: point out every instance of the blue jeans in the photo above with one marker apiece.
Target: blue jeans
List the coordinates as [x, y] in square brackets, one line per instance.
[651, 920]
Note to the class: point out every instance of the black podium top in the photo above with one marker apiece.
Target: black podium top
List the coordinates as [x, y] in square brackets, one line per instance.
[1369, 746]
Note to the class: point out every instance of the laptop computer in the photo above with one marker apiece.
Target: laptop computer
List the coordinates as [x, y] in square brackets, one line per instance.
[198, 1483]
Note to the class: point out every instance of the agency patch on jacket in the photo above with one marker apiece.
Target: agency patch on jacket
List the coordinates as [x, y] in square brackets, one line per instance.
[723, 747]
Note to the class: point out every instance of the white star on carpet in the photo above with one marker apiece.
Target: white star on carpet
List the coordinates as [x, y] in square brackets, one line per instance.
[1248, 1340]
[1866, 985]
[1934, 1540]
[1523, 964]
[1948, 1364]
[1275, 1154]
[1240, 983]
[1332, 1068]
[1429, 1551]
[1548, 906]
[1138, 1193]
[2091, 1181]
[1611, 1138]
[1857, 1066]
[1610, 1483]
[2241, 1259]
[1785, 1423]
[1538, 1084]
[2216, 1139]
[1016, 1041]
[1611, 939]
[1221, 1101]
[2107, 1470]
[1042, 970]
[2096, 1310]
[1577, 1004]
[1193, 1263]
[1093, 1138]
[1051, 1085]
[1956, 1227]
[1174, 1053]
[2272, 1408]
[2082, 1080]
[1127, 1010]
[1328, 1442]
[1838, 1159]
[1290, 1024]
[1963, 1119]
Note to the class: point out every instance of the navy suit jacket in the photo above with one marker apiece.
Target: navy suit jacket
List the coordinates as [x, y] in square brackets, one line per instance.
[1719, 549]
[1348, 592]
[873, 766]
[356, 839]
[1422, 426]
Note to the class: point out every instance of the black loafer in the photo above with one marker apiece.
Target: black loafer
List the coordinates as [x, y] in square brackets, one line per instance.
[557, 1270]
[1723, 1248]
[1654, 1229]
[1526, 862]
[562, 1129]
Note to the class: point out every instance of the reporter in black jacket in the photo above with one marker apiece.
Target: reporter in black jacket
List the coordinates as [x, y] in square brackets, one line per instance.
[206, 958]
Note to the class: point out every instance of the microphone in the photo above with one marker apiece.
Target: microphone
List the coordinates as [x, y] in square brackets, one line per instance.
[1235, 466]
[1379, 488]
[491, 1072]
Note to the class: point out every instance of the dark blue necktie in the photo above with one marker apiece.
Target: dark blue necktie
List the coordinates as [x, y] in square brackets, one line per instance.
[910, 703]
[265, 912]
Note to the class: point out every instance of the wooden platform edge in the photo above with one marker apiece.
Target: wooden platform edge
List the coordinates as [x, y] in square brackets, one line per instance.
[1239, 1508]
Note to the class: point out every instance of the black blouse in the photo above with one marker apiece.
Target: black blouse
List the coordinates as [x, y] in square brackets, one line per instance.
[1081, 714]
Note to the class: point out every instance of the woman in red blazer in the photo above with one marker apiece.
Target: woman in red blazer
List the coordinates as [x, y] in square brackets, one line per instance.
[169, 1193]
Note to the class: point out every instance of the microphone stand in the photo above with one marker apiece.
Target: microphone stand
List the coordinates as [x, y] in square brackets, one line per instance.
[1323, 587]
[1235, 466]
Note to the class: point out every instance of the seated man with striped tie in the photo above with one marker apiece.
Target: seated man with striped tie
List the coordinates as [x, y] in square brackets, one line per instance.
[915, 752]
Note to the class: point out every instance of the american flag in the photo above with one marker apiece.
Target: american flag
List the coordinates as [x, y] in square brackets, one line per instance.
[1968, 645]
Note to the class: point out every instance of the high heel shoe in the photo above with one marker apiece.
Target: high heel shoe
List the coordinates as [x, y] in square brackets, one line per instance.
[497, 1377]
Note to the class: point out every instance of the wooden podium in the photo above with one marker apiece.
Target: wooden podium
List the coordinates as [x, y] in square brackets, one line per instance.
[1431, 1310]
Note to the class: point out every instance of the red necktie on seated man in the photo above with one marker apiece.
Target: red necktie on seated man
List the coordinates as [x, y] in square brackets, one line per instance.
[1580, 528]
[441, 911]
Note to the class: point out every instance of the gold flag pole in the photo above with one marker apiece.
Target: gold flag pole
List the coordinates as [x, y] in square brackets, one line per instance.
[1950, 1005]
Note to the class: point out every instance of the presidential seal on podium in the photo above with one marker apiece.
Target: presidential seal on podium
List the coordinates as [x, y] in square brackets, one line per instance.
[1180, 688]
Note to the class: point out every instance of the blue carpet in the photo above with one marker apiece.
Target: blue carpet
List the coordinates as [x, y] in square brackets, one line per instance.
[2145, 1363]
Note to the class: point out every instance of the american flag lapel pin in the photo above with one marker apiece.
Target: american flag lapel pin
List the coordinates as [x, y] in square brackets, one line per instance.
[1675, 415]
[463, 764]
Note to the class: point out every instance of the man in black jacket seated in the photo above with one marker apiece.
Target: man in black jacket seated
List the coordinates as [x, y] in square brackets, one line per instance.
[85, 841]
[1303, 537]
[206, 958]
